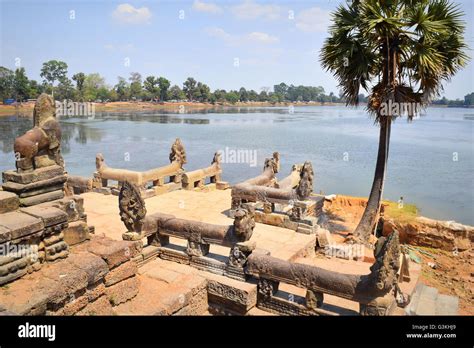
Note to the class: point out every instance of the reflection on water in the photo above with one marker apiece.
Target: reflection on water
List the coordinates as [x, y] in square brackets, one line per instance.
[431, 159]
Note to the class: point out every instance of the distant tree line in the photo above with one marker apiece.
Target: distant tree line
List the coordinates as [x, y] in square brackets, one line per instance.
[468, 101]
[92, 87]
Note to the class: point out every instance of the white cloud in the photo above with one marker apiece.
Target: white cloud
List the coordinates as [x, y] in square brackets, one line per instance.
[207, 7]
[252, 10]
[219, 33]
[261, 37]
[119, 47]
[126, 13]
[313, 20]
[254, 37]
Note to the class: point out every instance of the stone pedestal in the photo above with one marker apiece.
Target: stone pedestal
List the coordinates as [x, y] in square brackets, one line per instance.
[37, 186]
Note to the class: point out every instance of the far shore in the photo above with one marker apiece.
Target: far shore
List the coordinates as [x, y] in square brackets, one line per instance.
[26, 109]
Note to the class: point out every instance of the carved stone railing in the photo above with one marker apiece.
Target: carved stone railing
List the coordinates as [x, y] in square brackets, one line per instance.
[158, 227]
[376, 292]
[266, 179]
[287, 203]
[157, 176]
[196, 179]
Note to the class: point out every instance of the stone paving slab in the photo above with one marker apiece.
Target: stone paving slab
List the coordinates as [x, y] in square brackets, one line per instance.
[210, 207]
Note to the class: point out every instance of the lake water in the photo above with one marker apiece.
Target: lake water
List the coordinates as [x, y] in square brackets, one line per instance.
[431, 159]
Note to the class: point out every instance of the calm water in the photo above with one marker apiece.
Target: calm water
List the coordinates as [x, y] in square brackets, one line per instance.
[341, 143]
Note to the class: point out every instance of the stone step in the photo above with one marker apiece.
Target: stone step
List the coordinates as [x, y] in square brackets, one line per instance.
[427, 301]
[8, 202]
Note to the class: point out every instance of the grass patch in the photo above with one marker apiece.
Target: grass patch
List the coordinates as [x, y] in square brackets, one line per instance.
[407, 213]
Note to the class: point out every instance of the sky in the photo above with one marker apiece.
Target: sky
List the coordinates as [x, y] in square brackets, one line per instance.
[225, 44]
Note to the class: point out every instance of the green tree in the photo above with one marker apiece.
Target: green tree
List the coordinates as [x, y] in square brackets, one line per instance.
[92, 84]
[65, 90]
[469, 99]
[34, 89]
[400, 51]
[232, 97]
[243, 95]
[21, 84]
[122, 89]
[80, 79]
[176, 93]
[190, 88]
[151, 86]
[204, 92]
[164, 87]
[7, 84]
[52, 71]
[135, 85]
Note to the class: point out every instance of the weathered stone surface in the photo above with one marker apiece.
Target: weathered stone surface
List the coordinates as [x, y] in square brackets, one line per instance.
[20, 224]
[41, 198]
[94, 291]
[68, 282]
[8, 202]
[239, 297]
[50, 216]
[73, 206]
[71, 307]
[33, 176]
[446, 235]
[113, 252]
[222, 185]
[101, 306]
[122, 291]
[198, 305]
[5, 235]
[119, 273]
[93, 265]
[77, 232]
[36, 186]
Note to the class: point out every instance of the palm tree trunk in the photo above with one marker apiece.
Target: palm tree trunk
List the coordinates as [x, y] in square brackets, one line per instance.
[369, 219]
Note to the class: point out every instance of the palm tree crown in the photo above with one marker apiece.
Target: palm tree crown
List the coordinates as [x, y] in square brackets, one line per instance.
[399, 50]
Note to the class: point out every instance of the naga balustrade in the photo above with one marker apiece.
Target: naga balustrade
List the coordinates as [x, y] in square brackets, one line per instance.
[158, 227]
[157, 176]
[297, 210]
[197, 178]
[375, 292]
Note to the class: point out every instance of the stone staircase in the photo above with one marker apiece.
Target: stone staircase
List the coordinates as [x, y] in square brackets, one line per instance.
[427, 301]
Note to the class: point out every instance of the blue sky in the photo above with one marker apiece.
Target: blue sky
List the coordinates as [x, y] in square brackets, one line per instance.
[226, 44]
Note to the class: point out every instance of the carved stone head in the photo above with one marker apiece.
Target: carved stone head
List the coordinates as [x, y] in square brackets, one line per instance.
[305, 186]
[244, 223]
[217, 159]
[387, 262]
[178, 154]
[273, 163]
[99, 161]
[45, 109]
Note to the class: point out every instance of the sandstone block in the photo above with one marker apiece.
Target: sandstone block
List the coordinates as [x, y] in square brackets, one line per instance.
[77, 232]
[50, 215]
[101, 306]
[20, 224]
[33, 176]
[122, 291]
[93, 265]
[8, 202]
[41, 198]
[119, 273]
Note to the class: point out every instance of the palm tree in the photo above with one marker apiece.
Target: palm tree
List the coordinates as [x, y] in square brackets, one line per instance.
[400, 52]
